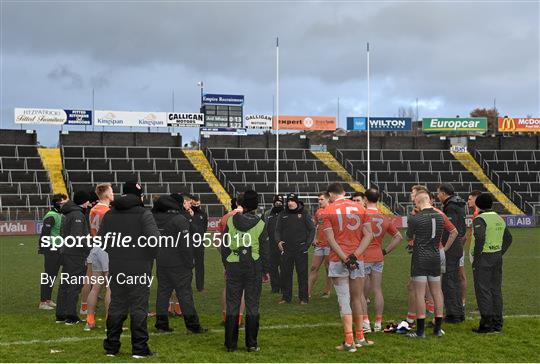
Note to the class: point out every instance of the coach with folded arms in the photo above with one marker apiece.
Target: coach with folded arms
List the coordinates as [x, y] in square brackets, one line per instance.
[295, 232]
[129, 217]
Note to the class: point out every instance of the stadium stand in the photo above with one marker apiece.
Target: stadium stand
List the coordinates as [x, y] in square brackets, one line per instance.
[394, 172]
[24, 183]
[160, 169]
[300, 172]
[517, 173]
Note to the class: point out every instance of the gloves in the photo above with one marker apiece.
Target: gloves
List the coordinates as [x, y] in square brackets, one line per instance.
[352, 262]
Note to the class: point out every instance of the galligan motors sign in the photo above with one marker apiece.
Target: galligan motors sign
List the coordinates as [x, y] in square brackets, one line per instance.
[442, 125]
[185, 119]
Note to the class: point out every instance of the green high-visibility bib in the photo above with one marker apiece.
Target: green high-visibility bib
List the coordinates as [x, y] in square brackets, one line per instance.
[242, 239]
[495, 227]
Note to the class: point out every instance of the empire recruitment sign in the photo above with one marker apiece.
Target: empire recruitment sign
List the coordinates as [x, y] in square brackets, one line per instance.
[442, 125]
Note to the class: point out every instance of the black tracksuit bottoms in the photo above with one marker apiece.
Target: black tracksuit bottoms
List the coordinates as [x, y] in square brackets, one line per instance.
[68, 294]
[51, 267]
[290, 260]
[247, 279]
[451, 288]
[487, 275]
[198, 260]
[179, 279]
[132, 299]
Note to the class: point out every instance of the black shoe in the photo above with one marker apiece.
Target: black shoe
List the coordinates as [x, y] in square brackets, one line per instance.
[482, 330]
[111, 354]
[253, 349]
[164, 330]
[72, 321]
[453, 319]
[230, 350]
[142, 356]
[60, 319]
[200, 330]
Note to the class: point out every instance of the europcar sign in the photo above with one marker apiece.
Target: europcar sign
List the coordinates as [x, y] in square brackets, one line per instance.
[441, 125]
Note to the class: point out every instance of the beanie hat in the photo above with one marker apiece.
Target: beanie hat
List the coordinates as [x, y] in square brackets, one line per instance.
[484, 201]
[81, 197]
[132, 188]
[292, 197]
[178, 198]
[250, 201]
[277, 198]
[93, 197]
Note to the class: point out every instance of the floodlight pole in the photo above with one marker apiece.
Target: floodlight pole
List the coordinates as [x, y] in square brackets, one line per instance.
[277, 116]
[367, 121]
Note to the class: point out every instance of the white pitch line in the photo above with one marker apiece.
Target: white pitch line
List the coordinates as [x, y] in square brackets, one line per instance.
[273, 327]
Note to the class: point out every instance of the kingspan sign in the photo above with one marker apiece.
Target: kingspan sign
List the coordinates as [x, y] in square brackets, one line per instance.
[452, 125]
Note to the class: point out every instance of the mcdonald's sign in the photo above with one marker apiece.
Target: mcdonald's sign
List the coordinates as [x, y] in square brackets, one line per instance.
[519, 125]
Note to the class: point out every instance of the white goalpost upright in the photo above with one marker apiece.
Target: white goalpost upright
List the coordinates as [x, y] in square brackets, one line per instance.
[277, 116]
[367, 121]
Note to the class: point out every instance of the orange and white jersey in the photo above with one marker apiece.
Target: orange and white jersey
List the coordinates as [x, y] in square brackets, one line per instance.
[380, 225]
[346, 218]
[96, 216]
[319, 221]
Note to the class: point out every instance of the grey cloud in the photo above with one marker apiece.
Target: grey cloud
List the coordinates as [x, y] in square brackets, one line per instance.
[69, 78]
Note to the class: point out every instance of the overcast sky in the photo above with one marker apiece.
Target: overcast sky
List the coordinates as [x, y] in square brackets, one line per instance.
[453, 56]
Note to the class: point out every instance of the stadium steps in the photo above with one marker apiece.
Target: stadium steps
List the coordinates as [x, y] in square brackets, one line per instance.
[199, 161]
[467, 160]
[52, 161]
[328, 159]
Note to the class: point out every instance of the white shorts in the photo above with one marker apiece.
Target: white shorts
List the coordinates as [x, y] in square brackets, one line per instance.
[462, 261]
[99, 260]
[426, 278]
[321, 251]
[442, 254]
[373, 266]
[339, 270]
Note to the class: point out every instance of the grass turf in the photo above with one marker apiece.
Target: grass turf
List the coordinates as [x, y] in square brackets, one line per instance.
[289, 333]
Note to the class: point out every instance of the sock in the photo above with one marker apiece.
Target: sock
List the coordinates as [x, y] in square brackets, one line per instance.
[347, 328]
[223, 315]
[90, 319]
[84, 306]
[438, 322]
[366, 319]
[171, 306]
[411, 317]
[378, 319]
[349, 338]
[240, 319]
[420, 324]
[430, 306]
[177, 308]
[358, 326]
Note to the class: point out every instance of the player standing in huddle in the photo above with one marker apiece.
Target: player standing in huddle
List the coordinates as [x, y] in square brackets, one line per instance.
[374, 254]
[425, 229]
[348, 232]
[98, 260]
[322, 250]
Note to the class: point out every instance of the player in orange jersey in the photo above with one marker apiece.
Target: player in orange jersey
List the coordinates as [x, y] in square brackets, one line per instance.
[374, 254]
[98, 259]
[348, 231]
[322, 250]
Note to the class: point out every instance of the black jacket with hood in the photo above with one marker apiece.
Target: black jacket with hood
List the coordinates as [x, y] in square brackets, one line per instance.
[244, 222]
[454, 208]
[176, 252]
[74, 223]
[295, 228]
[128, 217]
[270, 219]
[199, 222]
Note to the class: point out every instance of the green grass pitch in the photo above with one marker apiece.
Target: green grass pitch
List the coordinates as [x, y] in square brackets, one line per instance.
[289, 333]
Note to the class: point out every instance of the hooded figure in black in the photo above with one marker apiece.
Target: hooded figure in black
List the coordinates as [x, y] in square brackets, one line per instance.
[73, 259]
[129, 218]
[294, 233]
[454, 208]
[199, 223]
[245, 257]
[174, 265]
[270, 218]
